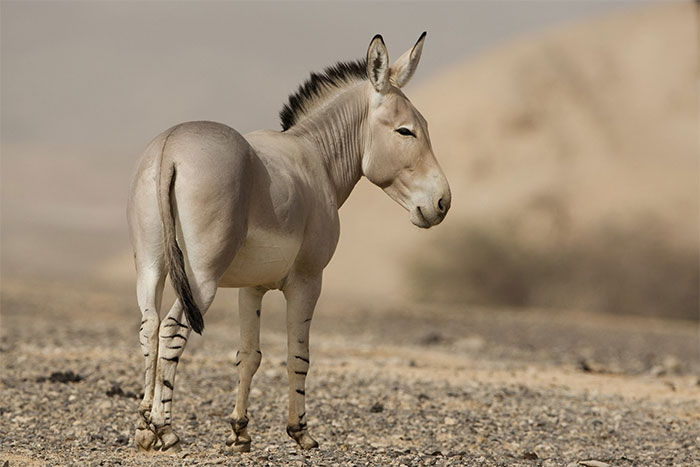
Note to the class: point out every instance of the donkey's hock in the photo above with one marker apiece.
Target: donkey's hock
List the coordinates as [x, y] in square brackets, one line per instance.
[213, 208]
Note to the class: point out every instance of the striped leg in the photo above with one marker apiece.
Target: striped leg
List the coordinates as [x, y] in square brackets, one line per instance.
[301, 294]
[149, 291]
[247, 360]
[173, 334]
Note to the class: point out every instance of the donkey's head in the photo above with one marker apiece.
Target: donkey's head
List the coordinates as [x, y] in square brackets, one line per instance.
[398, 156]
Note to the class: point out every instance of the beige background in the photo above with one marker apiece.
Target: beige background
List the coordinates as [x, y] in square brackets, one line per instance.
[86, 85]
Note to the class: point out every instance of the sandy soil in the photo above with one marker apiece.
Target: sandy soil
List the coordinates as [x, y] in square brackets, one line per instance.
[438, 385]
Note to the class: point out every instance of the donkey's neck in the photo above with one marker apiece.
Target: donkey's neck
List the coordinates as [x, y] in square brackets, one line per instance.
[338, 132]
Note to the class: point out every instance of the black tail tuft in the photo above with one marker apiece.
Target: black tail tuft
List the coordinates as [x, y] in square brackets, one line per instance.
[181, 284]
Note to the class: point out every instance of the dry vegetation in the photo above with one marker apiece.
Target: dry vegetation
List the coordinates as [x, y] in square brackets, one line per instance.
[631, 269]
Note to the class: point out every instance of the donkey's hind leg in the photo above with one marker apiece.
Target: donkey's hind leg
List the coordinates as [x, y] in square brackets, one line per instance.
[173, 335]
[149, 291]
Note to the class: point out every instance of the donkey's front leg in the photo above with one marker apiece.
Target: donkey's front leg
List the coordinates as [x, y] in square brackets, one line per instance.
[302, 294]
[247, 360]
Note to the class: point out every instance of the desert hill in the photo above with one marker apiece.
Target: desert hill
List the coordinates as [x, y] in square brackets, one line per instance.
[590, 128]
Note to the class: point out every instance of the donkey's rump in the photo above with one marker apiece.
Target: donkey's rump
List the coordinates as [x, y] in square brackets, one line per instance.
[209, 191]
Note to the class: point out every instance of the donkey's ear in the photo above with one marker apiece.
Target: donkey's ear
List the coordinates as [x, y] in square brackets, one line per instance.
[402, 70]
[378, 64]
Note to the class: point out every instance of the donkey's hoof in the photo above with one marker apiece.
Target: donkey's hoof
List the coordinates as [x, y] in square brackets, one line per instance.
[240, 446]
[305, 441]
[168, 441]
[145, 439]
[173, 448]
[302, 437]
[238, 443]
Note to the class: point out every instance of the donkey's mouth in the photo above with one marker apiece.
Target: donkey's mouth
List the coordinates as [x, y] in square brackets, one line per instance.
[420, 220]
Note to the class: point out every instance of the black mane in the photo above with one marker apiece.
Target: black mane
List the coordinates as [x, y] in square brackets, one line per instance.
[334, 76]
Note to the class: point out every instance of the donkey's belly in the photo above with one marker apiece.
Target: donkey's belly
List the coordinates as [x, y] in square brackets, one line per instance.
[263, 259]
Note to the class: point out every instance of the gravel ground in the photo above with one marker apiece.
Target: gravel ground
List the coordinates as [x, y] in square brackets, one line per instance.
[411, 386]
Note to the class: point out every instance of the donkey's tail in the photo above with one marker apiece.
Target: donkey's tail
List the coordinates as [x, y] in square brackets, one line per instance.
[165, 173]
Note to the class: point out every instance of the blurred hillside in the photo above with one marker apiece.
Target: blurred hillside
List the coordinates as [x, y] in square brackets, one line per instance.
[573, 160]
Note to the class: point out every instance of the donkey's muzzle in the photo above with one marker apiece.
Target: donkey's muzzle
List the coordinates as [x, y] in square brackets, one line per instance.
[429, 216]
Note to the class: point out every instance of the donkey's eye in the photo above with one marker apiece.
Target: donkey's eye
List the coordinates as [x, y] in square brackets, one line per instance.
[405, 131]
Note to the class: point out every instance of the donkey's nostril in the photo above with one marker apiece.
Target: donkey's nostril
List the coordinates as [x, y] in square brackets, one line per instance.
[443, 205]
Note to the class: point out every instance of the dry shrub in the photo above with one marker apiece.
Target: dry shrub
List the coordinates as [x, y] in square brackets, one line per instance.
[624, 269]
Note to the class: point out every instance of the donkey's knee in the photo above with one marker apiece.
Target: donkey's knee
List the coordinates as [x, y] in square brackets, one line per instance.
[248, 362]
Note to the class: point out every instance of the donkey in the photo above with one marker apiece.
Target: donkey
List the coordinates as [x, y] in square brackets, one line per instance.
[214, 208]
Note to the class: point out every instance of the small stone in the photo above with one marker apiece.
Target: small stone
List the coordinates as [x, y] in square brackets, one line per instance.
[449, 421]
[530, 455]
[376, 408]
[594, 463]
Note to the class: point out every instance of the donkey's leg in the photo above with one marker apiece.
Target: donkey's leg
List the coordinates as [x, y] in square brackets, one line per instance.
[247, 360]
[174, 332]
[149, 291]
[302, 294]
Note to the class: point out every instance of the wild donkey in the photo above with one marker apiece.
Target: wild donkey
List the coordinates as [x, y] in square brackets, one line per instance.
[260, 212]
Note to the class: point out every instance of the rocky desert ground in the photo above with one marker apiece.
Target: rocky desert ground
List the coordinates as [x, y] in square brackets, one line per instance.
[421, 385]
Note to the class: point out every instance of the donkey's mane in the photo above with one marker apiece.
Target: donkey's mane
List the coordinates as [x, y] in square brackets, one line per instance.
[319, 87]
